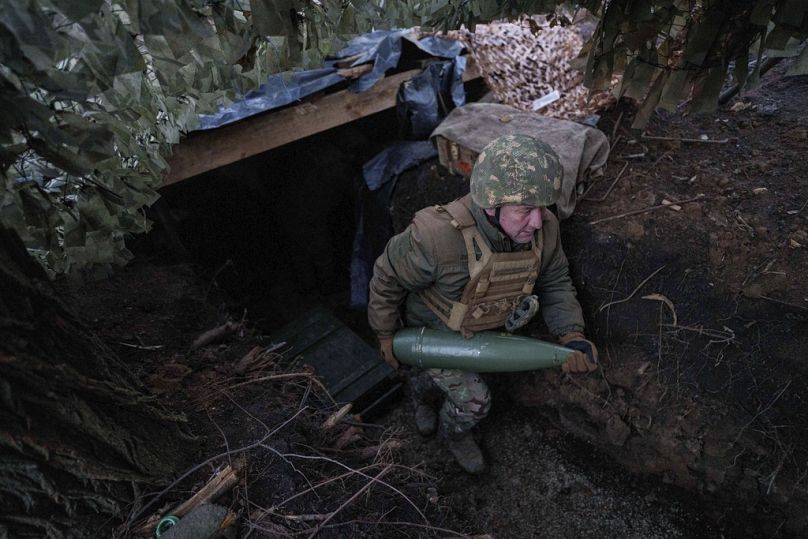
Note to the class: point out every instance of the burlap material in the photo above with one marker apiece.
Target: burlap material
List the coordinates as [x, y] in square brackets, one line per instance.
[582, 150]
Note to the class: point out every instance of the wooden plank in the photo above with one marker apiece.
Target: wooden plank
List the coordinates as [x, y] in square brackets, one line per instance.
[206, 150]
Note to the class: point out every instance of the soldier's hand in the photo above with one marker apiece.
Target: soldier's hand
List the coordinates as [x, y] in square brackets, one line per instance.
[585, 357]
[386, 348]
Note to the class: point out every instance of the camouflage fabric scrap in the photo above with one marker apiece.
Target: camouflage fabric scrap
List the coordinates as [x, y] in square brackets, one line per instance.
[517, 170]
[467, 401]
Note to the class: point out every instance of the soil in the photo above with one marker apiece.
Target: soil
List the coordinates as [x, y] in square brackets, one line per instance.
[694, 426]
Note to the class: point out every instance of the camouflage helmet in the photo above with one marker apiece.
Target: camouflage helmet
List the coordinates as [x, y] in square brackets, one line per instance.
[516, 170]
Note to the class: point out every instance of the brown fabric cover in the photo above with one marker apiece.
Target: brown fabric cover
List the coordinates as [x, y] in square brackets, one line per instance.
[583, 150]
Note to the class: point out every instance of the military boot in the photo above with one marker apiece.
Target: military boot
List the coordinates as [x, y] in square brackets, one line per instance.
[424, 396]
[465, 451]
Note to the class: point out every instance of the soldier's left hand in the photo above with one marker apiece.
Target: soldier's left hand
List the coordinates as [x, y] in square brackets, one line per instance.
[585, 357]
[386, 349]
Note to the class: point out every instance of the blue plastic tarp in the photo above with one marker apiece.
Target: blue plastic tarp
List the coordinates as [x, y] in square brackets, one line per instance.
[374, 225]
[382, 47]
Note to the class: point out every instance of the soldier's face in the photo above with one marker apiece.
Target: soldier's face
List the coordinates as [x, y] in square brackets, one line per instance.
[519, 222]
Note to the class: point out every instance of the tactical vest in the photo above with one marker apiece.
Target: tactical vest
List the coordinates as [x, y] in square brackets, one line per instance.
[496, 280]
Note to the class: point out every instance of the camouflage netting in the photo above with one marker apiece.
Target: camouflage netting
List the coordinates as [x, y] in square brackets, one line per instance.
[527, 60]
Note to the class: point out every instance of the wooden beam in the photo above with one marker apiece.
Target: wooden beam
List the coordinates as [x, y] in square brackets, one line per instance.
[206, 150]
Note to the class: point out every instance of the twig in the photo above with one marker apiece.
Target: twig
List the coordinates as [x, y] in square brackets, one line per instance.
[632, 294]
[207, 461]
[616, 126]
[218, 484]
[345, 466]
[228, 263]
[716, 335]
[365, 425]
[373, 451]
[661, 157]
[336, 417]
[244, 364]
[754, 417]
[614, 289]
[644, 210]
[350, 500]
[666, 301]
[451, 533]
[609, 190]
[301, 518]
[351, 435]
[141, 347]
[284, 377]
[224, 436]
[797, 212]
[221, 482]
[781, 302]
[679, 139]
[614, 145]
[774, 474]
[318, 485]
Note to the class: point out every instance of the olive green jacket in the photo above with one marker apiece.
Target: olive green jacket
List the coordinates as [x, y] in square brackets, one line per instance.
[431, 251]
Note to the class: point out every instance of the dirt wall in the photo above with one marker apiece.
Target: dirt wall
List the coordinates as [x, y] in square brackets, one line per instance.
[700, 312]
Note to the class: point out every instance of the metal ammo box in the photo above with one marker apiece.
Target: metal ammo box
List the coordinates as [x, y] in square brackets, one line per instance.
[348, 367]
[454, 156]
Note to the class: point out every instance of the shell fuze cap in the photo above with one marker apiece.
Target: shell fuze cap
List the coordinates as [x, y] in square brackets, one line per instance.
[516, 170]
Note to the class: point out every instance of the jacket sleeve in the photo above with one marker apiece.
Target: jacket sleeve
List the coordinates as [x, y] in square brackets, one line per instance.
[406, 265]
[557, 296]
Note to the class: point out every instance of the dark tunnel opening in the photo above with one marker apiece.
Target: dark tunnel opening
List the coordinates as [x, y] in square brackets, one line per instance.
[275, 231]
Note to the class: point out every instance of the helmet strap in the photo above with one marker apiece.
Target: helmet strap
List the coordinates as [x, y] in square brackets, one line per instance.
[496, 222]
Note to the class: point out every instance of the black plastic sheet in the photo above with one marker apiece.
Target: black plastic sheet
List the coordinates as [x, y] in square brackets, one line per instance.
[426, 99]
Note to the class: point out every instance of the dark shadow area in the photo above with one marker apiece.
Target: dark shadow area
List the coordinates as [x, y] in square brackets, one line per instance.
[275, 231]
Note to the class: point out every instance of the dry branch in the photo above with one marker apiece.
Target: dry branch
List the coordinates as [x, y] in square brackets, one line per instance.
[609, 190]
[373, 451]
[245, 363]
[644, 210]
[220, 483]
[352, 498]
[288, 376]
[215, 335]
[625, 299]
[351, 435]
[679, 139]
[666, 301]
[336, 417]
[215, 487]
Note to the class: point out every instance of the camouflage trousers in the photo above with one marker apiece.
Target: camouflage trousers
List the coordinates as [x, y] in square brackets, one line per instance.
[466, 398]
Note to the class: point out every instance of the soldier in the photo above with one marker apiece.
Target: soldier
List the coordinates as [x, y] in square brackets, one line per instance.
[473, 265]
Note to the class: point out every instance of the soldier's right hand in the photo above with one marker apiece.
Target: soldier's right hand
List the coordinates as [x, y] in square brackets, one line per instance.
[386, 348]
[585, 357]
